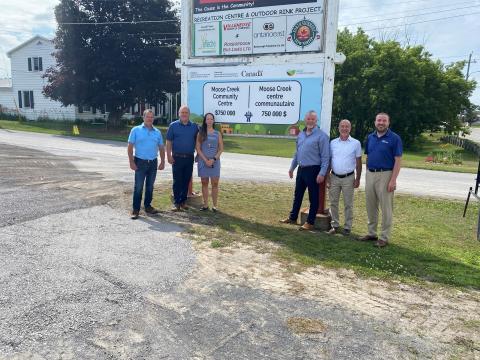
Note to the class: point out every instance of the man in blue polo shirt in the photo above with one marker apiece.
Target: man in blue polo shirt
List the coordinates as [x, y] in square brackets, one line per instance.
[147, 142]
[384, 156]
[181, 139]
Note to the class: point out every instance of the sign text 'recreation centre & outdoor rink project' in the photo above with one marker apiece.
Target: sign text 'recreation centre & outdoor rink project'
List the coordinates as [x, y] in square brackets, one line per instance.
[259, 66]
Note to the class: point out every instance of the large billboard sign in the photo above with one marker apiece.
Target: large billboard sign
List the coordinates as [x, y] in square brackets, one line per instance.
[229, 28]
[278, 95]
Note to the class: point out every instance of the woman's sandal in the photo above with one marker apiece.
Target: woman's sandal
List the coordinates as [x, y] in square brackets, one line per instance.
[214, 209]
[204, 208]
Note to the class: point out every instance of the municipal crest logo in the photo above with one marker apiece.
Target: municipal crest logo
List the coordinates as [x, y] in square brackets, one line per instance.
[303, 33]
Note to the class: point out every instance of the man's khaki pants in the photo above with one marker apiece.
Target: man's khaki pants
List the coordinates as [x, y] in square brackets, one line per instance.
[377, 195]
[346, 186]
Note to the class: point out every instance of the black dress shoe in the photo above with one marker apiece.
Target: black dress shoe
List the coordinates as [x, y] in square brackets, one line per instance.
[134, 215]
[151, 210]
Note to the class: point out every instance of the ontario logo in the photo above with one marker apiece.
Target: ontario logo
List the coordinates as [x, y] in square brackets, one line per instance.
[304, 33]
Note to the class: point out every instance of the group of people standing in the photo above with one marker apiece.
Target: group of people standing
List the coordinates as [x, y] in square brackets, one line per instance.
[183, 139]
[338, 163]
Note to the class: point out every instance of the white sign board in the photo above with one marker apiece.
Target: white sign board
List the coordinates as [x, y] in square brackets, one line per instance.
[257, 26]
[268, 94]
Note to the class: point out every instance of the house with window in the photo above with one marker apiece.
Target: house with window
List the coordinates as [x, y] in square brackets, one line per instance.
[23, 93]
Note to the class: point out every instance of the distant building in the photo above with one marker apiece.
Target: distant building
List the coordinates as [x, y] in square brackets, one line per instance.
[23, 93]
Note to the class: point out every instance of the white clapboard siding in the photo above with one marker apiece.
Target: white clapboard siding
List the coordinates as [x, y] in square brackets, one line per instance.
[7, 102]
[25, 80]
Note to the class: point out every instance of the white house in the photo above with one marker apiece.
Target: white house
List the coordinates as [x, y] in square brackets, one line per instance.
[29, 61]
[23, 92]
[6, 94]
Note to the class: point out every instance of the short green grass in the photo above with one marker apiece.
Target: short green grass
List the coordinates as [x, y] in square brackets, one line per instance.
[431, 241]
[413, 158]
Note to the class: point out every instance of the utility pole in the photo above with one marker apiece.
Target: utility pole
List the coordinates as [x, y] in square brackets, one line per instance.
[468, 66]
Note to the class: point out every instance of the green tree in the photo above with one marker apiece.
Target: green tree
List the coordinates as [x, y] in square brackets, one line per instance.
[113, 59]
[420, 94]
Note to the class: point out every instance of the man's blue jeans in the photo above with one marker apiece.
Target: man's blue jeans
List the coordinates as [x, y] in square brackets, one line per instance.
[146, 173]
[306, 178]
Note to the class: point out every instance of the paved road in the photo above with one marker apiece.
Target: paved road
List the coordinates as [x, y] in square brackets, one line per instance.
[474, 135]
[108, 158]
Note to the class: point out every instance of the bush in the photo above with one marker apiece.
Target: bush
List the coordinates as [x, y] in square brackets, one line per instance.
[12, 117]
[448, 157]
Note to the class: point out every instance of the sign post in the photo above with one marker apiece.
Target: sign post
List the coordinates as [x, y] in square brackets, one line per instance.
[260, 65]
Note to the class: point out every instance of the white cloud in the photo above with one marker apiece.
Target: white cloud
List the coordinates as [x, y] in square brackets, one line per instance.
[444, 39]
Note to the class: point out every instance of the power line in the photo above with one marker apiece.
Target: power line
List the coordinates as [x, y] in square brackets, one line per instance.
[415, 15]
[406, 10]
[118, 22]
[422, 22]
[388, 4]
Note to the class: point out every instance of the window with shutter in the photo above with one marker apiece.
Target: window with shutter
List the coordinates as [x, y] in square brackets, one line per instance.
[31, 100]
[26, 99]
[20, 99]
[29, 64]
[35, 63]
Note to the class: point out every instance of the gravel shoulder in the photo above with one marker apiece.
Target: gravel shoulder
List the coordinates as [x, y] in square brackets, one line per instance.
[80, 280]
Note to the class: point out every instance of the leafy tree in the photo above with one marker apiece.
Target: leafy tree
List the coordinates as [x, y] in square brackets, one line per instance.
[114, 60]
[420, 94]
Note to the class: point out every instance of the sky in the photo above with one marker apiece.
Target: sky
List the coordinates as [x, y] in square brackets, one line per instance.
[449, 29]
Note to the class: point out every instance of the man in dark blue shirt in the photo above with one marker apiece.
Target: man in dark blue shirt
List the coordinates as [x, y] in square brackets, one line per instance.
[181, 138]
[384, 156]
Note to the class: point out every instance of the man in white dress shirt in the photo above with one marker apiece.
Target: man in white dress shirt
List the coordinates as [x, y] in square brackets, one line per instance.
[346, 169]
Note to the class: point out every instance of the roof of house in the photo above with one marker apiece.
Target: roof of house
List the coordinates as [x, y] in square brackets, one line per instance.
[35, 38]
[5, 83]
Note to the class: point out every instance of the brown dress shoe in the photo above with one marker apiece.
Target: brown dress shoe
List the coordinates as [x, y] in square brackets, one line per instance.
[151, 210]
[288, 221]
[368, 238]
[134, 215]
[307, 227]
[380, 243]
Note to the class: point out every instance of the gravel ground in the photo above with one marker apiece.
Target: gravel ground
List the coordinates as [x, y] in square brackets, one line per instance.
[80, 280]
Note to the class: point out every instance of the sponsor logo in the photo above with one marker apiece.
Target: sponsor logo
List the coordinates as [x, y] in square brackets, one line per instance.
[303, 33]
[268, 33]
[207, 44]
[236, 26]
[268, 26]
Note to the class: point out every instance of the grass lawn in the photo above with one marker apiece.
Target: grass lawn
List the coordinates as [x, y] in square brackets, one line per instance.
[414, 158]
[431, 241]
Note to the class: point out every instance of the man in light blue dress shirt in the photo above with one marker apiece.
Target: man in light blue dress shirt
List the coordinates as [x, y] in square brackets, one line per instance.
[147, 142]
[312, 156]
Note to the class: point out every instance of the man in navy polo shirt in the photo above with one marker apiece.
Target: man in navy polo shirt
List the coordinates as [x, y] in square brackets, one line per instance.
[147, 141]
[181, 139]
[384, 156]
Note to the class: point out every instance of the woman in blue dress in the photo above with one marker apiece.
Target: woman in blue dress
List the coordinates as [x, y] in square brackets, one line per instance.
[209, 148]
